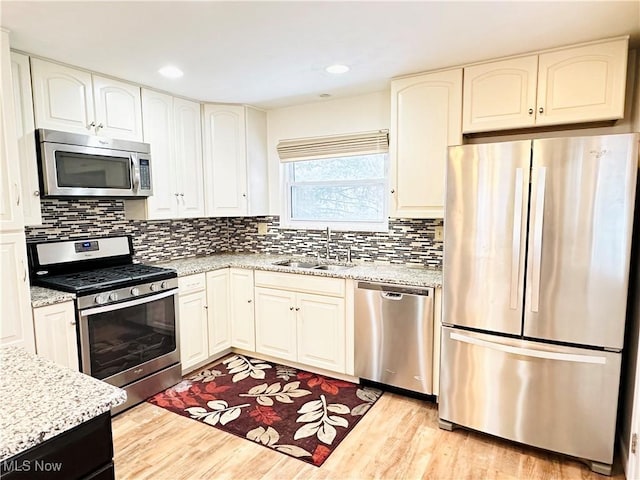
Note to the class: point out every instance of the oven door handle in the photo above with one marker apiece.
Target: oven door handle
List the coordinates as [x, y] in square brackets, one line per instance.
[130, 303]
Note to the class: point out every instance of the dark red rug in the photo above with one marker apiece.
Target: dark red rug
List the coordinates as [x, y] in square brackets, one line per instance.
[298, 413]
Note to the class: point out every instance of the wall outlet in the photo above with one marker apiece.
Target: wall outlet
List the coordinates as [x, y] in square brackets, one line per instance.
[439, 234]
[262, 228]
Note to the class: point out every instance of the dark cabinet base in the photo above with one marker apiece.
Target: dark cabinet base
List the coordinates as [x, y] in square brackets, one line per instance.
[84, 452]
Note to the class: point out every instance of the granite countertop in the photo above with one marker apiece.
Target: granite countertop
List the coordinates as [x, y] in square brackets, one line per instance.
[41, 297]
[41, 400]
[402, 274]
[408, 274]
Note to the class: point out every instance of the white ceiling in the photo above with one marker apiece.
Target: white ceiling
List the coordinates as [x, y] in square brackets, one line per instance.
[273, 54]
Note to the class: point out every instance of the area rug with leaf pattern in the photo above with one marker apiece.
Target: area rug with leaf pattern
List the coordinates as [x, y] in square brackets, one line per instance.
[298, 413]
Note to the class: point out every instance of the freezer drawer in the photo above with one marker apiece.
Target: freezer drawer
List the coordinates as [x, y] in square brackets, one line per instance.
[558, 398]
[394, 335]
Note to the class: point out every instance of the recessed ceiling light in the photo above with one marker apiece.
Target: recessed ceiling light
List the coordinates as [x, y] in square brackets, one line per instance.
[324, 95]
[337, 69]
[170, 72]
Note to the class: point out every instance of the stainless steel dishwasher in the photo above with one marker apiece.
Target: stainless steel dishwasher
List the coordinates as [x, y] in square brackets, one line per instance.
[394, 335]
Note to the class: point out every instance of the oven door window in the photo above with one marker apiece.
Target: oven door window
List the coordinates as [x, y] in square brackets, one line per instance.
[92, 171]
[124, 338]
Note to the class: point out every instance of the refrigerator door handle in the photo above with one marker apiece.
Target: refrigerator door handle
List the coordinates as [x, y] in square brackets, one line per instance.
[529, 352]
[537, 239]
[517, 236]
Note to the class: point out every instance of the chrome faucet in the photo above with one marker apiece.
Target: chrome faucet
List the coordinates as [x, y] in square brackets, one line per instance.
[328, 238]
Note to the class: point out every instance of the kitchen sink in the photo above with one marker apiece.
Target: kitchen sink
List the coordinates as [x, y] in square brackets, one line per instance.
[311, 265]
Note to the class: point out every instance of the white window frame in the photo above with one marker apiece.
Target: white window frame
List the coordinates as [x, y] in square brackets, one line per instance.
[286, 173]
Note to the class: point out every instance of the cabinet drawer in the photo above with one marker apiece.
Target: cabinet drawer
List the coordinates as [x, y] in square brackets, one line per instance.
[192, 283]
[301, 283]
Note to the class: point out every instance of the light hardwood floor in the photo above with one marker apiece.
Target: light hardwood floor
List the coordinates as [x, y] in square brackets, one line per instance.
[398, 438]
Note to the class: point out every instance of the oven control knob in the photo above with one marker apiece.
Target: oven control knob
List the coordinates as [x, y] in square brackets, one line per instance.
[100, 299]
[113, 296]
[153, 287]
[135, 291]
[163, 285]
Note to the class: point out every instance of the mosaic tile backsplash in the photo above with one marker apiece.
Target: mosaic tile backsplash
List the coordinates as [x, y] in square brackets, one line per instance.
[407, 241]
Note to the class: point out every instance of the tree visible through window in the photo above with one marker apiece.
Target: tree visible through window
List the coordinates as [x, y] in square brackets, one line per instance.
[346, 193]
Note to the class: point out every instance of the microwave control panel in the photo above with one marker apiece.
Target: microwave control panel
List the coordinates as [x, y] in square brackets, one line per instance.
[145, 175]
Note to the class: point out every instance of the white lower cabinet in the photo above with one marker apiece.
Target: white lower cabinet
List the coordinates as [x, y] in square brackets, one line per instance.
[321, 331]
[276, 323]
[242, 309]
[301, 318]
[219, 311]
[192, 311]
[55, 331]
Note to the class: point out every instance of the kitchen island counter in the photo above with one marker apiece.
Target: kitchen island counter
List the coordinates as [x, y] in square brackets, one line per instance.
[41, 400]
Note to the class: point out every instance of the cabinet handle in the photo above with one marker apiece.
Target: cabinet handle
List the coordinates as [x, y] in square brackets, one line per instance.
[206, 307]
[36, 193]
[244, 195]
[297, 309]
[249, 301]
[291, 308]
[99, 126]
[531, 111]
[24, 268]
[72, 322]
[541, 110]
[393, 191]
[15, 185]
[91, 125]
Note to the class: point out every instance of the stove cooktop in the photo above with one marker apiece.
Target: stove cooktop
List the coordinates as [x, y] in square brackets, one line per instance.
[95, 280]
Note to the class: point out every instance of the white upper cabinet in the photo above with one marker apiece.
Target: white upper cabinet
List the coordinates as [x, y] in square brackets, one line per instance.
[23, 103]
[118, 109]
[582, 84]
[235, 159]
[425, 120]
[570, 85]
[500, 95]
[76, 101]
[172, 126]
[188, 152]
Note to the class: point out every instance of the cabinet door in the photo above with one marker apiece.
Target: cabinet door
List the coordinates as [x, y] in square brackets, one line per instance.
[10, 197]
[225, 160]
[500, 95]
[242, 309]
[321, 331]
[219, 311]
[425, 119]
[62, 98]
[158, 132]
[55, 332]
[257, 162]
[276, 323]
[118, 109]
[16, 324]
[582, 84]
[188, 138]
[194, 347]
[23, 104]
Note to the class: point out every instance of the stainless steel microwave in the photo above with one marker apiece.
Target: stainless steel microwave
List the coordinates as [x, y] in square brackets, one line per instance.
[73, 165]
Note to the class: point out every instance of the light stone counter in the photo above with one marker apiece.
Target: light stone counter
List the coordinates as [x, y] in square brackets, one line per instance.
[415, 275]
[409, 274]
[41, 400]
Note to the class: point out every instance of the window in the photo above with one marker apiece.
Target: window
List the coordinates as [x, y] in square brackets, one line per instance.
[342, 192]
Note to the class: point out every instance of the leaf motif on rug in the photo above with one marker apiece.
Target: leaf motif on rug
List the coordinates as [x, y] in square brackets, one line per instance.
[207, 375]
[301, 414]
[270, 437]
[222, 412]
[244, 367]
[264, 392]
[316, 414]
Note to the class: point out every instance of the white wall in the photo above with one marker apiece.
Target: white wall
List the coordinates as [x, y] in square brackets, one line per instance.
[330, 117]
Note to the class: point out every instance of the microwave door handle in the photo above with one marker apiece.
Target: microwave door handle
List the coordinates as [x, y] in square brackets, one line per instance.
[135, 172]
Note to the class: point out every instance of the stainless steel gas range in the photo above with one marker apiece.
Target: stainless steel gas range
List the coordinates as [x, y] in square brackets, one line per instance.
[126, 313]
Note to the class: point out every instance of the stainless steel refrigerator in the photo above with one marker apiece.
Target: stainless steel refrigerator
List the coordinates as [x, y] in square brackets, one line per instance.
[536, 270]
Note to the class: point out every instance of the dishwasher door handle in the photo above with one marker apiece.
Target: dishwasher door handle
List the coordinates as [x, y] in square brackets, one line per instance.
[391, 295]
